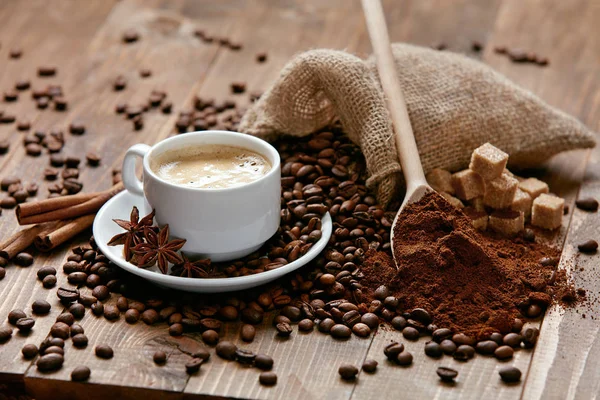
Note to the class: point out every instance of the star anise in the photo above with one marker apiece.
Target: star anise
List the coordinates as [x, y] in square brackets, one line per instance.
[134, 234]
[188, 269]
[158, 248]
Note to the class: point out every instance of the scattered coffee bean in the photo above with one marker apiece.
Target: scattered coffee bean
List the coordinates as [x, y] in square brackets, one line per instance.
[76, 329]
[60, 330]
[238, 87]
[410, 333]
[510, 374]
[24, 325]
[447, 374]
[176, 329]
[80, 340]
[104, 351]
[67, 295]
[433, 349]
[16, 315]
[361, 330]
[41, 307]
[405, 358]
[159, 357]
[512, 340]
[464, 352]
[247, 333]
[7, 118]
[130, 36]
[504, 352]
[54, 349]
[8, 202]
[11, 95]
[50, 362]
[97, 308]
[348, 372]
[77, 310]
[486, 347]
[261, 57]
[77, 128]
[45, 271]
[132, 316]
[46, 71]
[23, 259]
[369, 366]
[23, 125]
[150, 316]
[267, 378]
[145, 73]
[80, 374]
[589, 246]
[587, 204]
[5, 334]
[93, 159]
[102, 293]
[340, 331]
[193, 366]
[15, 53]
[29, 351]
[306, 325]
[111, 312]
[226, 350]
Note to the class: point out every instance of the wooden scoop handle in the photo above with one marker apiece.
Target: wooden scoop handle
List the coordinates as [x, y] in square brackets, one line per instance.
[386, 66]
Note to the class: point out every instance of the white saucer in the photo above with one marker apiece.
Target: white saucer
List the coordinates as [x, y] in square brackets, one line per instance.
[120, 207]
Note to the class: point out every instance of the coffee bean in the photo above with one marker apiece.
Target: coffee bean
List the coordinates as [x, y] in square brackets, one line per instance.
[392, 350]
[461, 338]
[534, 311]
[60, 330]
[16, 315]
[441, 334]
[244, 357]
[80, 374]
[370, 319]
[104, 351]
[510, 374]
[77, 278]
[46, 71]
[4, 146]
[67, 295]
[24, 325]
[348, 372]
[589, 246]
[132, 316]
[45, 271]
[549, 261]
[517, 325]
[261, 57]
[447, 374]
[410, 333]
[112, 313]
[5, 334]
[76, 329]
[512, 340]
[267, 378]
[369, 366]
[486, 347]
[97, 308]
[130, 36]
[421, 315]
[211, 337]
[102, 293]
[238, 87]
[587, 204]
[340, 331]
[448, 346]
[193, 366]
[29, 351]
[530, 336]
[252, 316]
[404, 358]
[50, 362]
[306, 325]
[361, 330]
[145, 73]
[226, 350]
[398, 322]
[464, 352]
[15, 53]
[93, 159]
[150, 317]
[433, 349]
[247, 333]
[159, 357]
[80, 340]
[41, 307]
[54, 350]
[23, 259]
[503, 352]
[176, 329]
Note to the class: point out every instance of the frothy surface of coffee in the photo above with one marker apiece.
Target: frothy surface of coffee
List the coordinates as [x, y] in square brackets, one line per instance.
[210, 166]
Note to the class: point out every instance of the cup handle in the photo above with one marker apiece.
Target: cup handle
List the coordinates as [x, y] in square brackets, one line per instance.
[130, 179]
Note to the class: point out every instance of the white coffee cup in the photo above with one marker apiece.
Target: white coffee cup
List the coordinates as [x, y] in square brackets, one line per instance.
[221, 224]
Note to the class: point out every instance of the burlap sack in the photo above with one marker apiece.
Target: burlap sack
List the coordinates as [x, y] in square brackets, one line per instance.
[455, 105]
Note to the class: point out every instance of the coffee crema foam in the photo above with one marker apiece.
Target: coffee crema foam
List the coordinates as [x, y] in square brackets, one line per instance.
[210, 166]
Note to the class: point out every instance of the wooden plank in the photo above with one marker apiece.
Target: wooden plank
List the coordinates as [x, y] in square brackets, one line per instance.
[45, 37]
[478, 378]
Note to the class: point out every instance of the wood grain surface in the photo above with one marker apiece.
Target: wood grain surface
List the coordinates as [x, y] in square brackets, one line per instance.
[84, 41]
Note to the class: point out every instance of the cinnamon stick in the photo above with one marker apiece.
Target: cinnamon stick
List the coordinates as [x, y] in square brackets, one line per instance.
[23, 239]
[48, 240]
[72, 211]
[43, 206]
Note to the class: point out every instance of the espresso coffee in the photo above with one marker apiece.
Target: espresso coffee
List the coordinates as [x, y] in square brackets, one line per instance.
[210, 166]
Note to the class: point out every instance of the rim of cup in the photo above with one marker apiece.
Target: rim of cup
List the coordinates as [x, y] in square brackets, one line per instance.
[274, 155]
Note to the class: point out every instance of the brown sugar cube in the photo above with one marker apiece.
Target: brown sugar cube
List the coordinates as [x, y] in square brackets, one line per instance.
[488, 161]
[478, 218]
[477, 203]
[522, 202]
[534, 187]
[467, 184]
[507, 222]
[440, 180]
[547, 211]
[452, 200]
[500, 192]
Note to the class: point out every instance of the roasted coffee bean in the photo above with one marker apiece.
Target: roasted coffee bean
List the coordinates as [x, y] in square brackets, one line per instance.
[226, 350]
[159, 357]
[261, 57]
[252, 316]
[447, 374]
[211, 337]
[4, 146]
[448, 346]
[10, 95]
[245, 357]
[60, 330]
[529, 235]
[87, 300]
[101, 292]
[97, 308]
[512, 340]
[29, 351]
[5, 334]
[132, 316]
[20, 196]
[23, 125]
[510, 374]
[587, 204]
[150, 316]
[41, 307]
[340, 331]
[306, 325]
[80, 340]
[534, 311]
[60, 103]
[370, 319]
[67, 295]
[104, 351]
[369, 366]
[405, 358]
[348, 372]
[50, 362]
[46, 70]
[77, 278]
[441, 334]
[55, 350]
[80, 374]
[410, 333]
[497, 337]
[486, 347]
[589, 246]
[22, 85]
[421, 315]
[23, 259]
[193, 366]
[112, 313]
[267, 378]
[504, 352]
[461, 338]
[530, 336]
[130, 36]
[175, 329]
[464, 352]
[247, 333]
[283, 329]
[398, 322]
[16, 315]
[24, 325]
[361, 330]
[351, 318]
[76, 329]
[238, 87]
[7, 118]
[433, 349]
[517, 325]
[392, 350]
[45, 271]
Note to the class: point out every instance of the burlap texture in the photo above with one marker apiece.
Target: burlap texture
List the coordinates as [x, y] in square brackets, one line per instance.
[455, 105]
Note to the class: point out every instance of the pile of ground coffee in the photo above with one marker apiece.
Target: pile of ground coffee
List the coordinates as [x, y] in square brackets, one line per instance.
[469, 281]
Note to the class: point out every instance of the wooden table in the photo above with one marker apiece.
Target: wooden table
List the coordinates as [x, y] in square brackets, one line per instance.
[83, 38]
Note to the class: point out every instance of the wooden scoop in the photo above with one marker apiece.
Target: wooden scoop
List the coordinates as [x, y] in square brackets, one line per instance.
[416, 184]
